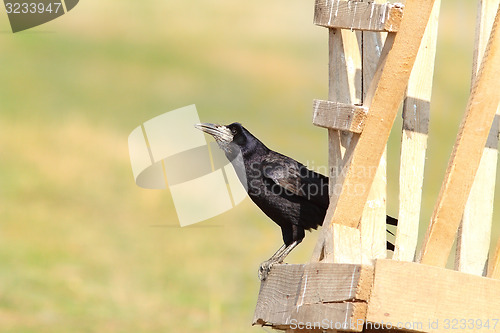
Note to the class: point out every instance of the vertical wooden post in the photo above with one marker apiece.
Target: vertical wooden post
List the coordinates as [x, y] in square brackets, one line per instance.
[353, 63]
[473, 240]
[416, 111]
[373, 220]
[345, 87]
[363, 231]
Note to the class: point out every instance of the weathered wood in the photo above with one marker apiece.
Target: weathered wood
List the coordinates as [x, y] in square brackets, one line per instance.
[338, 243]
[473, 240]
[466, 155]
[494, 264]
[416, 112]
[383, 99]
[419, 296]
[344, 296]
[373, 227]
[335, 294]
[339, 116]
[373, 221]
[356, 15]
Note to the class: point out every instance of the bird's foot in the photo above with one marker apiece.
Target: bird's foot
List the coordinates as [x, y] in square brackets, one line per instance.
[265, 268]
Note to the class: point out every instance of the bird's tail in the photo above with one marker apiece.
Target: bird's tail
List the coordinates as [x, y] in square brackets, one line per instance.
[394, 222]
[391, 220]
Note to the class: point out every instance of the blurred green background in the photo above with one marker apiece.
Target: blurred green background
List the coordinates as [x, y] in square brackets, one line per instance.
[82, 248]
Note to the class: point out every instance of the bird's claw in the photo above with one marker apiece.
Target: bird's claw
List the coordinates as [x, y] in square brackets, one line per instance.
[264, 269]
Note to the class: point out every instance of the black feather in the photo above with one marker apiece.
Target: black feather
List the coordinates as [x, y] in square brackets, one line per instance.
[290, 194]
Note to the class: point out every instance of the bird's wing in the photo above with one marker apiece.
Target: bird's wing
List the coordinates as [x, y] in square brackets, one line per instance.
[296, 179]
[285, 173]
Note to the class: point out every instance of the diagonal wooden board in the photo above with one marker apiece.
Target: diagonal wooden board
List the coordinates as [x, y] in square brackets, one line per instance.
[494, 267]
[473, 238]
[383, 99]
[466, 155]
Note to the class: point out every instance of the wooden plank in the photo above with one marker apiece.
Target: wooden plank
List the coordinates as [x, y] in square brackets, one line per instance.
[416, 112]
[373, 227]
[337, 293]
[373, 220]
[484, 23]
[466, 155]
[473, 241]
[345, 66]
[338, 243]
[383, 99]
[344, 86]
[428, 299]
[356, 15]
[494, 266]
[339, 116]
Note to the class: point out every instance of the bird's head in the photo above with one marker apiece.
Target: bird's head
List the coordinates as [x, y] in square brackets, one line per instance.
[230, 138]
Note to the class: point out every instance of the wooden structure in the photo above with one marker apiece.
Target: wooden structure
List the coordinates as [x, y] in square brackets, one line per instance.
[350, 284]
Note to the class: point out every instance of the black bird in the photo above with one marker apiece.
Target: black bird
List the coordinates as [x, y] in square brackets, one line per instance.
[293, 196]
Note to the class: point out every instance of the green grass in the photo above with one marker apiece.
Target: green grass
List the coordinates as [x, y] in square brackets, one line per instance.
[83, 249]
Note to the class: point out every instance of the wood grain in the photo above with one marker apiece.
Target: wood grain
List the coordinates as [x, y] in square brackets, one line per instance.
[383, 99]
[357, 15]
[494, 266]
[417, 294]
[373, 221]
[466, 155]
[473, 240]
[338, 243]
[416, 113]
[339, 116]
[313, 293]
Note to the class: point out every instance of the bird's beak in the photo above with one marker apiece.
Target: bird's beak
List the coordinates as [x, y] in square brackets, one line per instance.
[221, 133]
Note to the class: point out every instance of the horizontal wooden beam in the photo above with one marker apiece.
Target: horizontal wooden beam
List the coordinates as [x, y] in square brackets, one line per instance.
[334, 295]
[403, 296]
[339, 116]
[425, 298]
[392, 295]
[355, 15]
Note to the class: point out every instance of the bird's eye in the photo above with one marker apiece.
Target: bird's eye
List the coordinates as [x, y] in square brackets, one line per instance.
[234, 131]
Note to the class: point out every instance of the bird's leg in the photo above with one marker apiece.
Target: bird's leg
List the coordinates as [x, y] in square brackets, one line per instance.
[276, 258]
[287, 251]
[278, 252]
[265, 267]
